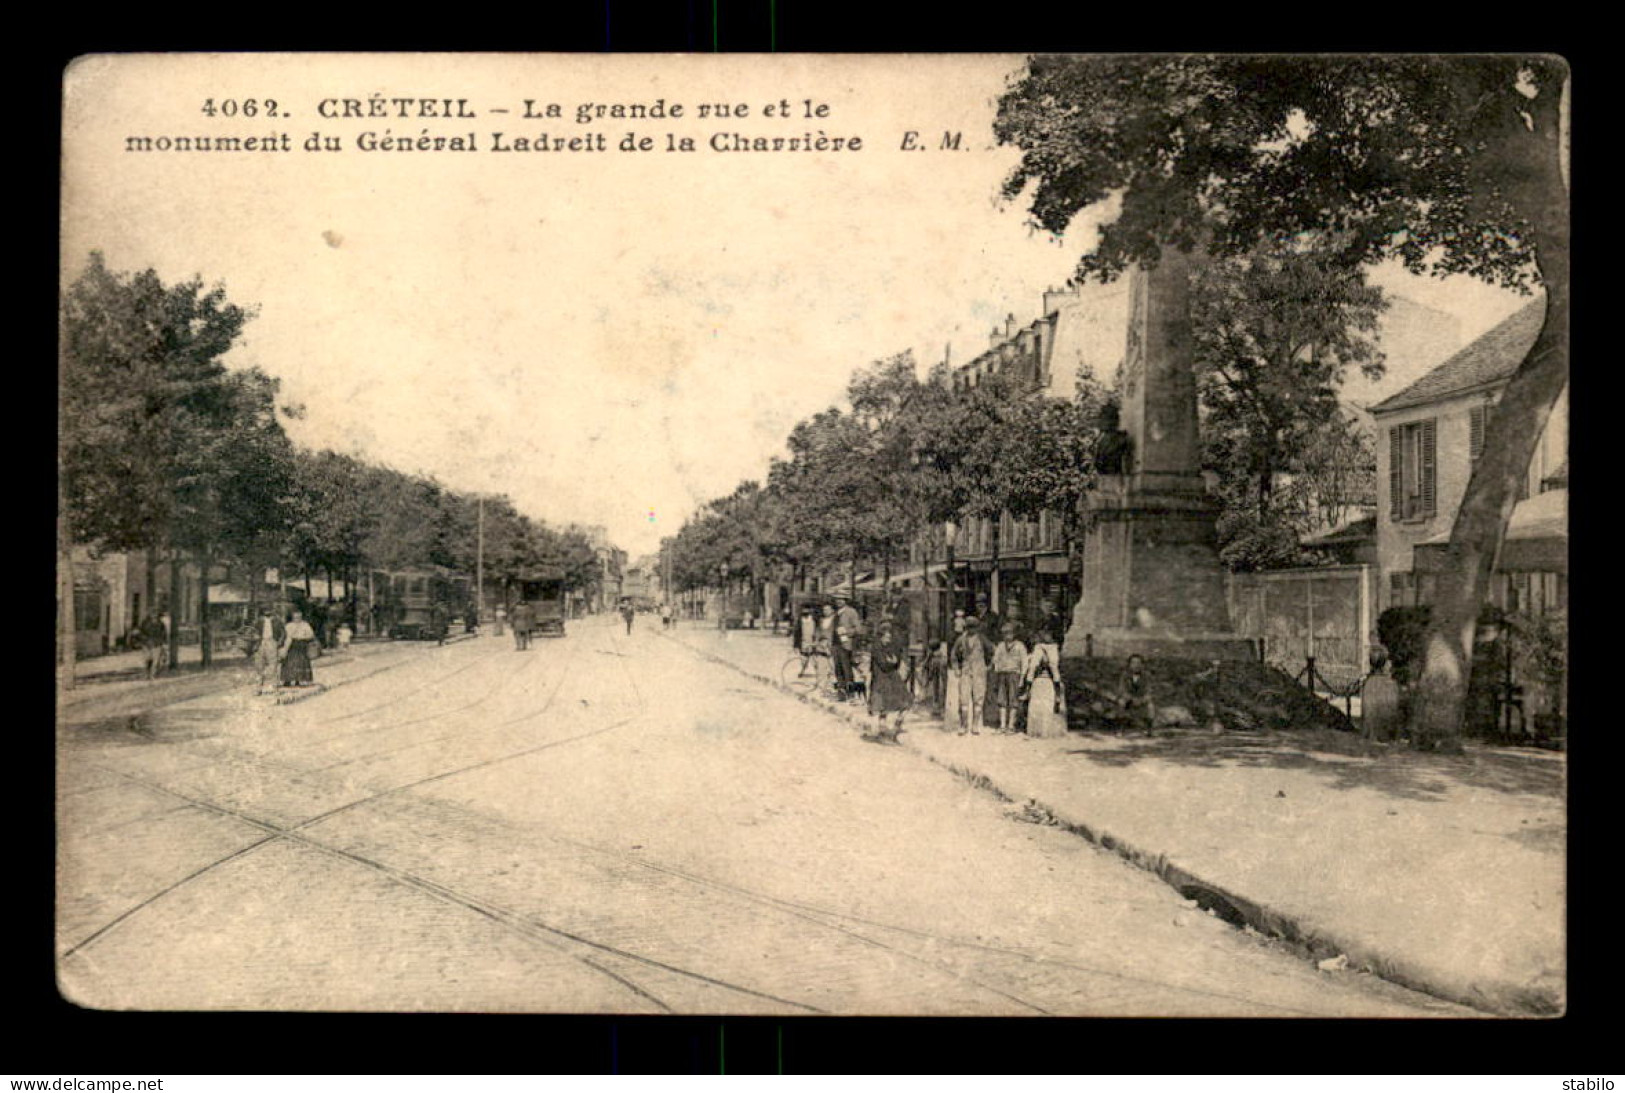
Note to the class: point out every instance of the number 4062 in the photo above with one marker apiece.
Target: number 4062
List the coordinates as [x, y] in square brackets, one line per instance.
[248, 108]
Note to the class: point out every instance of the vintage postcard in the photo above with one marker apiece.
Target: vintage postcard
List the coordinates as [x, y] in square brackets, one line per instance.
[792, 534]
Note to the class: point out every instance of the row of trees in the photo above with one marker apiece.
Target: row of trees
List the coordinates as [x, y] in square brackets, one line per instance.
[905, 455]
[1276, 332]
[165, 450]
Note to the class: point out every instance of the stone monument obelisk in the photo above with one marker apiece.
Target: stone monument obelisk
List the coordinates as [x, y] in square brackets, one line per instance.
[1152, 580]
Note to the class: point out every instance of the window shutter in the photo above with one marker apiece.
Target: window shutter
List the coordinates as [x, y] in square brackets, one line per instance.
[1396, 473]
[1429, 465]
[1477, 417]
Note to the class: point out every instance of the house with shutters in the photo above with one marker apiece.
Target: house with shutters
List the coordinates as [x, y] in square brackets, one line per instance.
[1428, 436]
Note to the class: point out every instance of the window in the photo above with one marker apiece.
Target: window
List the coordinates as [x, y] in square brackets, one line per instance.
[1412, 470]
[1477, 417]
[87, 610]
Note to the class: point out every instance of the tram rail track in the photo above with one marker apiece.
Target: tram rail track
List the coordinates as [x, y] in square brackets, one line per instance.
[528, 927]
[555, 936]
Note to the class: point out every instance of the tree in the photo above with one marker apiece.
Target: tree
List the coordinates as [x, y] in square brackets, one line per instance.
[1274, 331]
[147, 408]
[1449, 164]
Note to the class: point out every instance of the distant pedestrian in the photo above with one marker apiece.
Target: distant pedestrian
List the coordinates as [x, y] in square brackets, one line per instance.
[888, 691]
[950, 674]
[627, 614]
[806, 637]
[970, 658]
[266, 654]
[1046, 710]
[154, 636]
[1009, 660]
[523, 619]
[1051, 621]
[987, 619]
[297, 639]
[665, 614]
[345, 634]
[824, 646]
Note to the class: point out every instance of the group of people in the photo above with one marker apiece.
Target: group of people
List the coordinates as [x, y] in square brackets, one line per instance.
[834, 641]
[1023, 681]
[282, 651]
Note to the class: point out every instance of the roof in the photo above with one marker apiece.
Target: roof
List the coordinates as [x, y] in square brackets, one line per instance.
[1362, 529]
[1491, 358]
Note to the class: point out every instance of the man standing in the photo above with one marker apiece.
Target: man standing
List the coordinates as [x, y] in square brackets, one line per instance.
[266, 656]
[154, 643]
[969, 658]
[848, 628]
[628, 612]
[522, 620]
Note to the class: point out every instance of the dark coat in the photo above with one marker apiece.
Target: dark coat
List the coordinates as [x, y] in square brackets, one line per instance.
[279, 631]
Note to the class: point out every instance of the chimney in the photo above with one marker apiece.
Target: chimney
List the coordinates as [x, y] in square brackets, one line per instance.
[1010, 325]
[1057, 298]
[995, 337]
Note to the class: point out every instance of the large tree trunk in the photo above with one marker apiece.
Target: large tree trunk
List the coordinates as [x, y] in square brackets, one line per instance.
[1535, 186]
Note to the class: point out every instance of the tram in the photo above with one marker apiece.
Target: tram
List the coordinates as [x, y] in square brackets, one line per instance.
[543, 590]
[424, 601]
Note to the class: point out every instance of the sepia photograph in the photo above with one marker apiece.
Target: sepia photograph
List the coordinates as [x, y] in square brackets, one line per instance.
[785, 534]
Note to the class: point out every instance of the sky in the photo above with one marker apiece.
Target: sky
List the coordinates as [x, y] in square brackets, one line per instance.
[609, 338]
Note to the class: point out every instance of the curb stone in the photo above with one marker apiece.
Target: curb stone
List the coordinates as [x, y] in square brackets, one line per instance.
[1308, 941]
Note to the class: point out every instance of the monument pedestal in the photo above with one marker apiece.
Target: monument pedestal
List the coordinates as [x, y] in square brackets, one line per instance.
[1152, 581]
[1153, 585]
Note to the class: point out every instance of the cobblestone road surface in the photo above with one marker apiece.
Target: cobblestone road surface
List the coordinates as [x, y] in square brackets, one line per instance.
[606, 823]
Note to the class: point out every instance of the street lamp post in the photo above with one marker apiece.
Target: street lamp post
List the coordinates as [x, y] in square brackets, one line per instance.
[950, 531]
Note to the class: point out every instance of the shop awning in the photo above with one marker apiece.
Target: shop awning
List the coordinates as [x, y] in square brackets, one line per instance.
[1537, 539]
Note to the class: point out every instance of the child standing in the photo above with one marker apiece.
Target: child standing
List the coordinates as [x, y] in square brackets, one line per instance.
[1009, 660]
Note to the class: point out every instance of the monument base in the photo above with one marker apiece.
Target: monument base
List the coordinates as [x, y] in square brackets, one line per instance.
[1239, 695]
[1121, 644]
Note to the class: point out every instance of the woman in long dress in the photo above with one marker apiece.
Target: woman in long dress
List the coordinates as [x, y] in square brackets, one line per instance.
[1043, 676]
[296, 643]
[888, 693]
[950, 672]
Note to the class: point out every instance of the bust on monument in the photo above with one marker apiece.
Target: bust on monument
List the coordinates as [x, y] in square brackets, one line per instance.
[1113, 446]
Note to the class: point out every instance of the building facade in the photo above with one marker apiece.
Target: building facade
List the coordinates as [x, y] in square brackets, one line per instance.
[1428, 437]
[1021, 563]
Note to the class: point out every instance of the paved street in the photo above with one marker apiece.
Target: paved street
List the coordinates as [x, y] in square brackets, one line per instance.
[607, 823]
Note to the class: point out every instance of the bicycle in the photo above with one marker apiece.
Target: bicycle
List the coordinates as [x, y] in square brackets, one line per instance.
[813, 675]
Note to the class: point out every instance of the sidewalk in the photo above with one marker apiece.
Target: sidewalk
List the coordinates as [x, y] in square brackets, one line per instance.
[1441, 873]
[118, 686]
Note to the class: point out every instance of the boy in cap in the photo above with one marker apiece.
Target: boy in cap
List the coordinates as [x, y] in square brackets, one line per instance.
[1009, 659]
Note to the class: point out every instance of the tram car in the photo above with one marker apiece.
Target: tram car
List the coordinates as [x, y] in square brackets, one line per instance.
[543, 590]
[424, 601]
